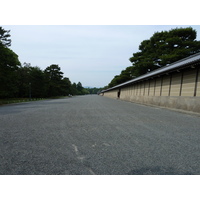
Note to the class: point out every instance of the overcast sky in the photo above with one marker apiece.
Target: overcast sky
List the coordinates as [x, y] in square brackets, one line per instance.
[91, 54]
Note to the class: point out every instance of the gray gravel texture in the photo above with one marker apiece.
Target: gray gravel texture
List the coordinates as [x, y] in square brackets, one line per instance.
[96, 135]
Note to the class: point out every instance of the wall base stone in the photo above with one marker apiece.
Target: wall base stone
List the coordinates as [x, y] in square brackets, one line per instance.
[183, 103]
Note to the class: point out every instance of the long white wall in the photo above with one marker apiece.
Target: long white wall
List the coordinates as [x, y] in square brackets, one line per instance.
[179, 89]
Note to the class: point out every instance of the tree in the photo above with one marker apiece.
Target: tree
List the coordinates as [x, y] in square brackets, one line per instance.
[164, 48]
[53, 80]
[66, 86]
[30, 79]
[125, 75]
[74, 90]
[37, 82]
[93, 90]
[23, 80]
[79, 87]
[4, 38]
[9, 65]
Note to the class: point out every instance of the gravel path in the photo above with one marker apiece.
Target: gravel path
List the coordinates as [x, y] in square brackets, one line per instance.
[97, 135]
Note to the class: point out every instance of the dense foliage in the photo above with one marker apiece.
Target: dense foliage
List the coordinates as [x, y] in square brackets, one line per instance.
[9, 64]
[94, 90]
[160, 50]
[22, 81]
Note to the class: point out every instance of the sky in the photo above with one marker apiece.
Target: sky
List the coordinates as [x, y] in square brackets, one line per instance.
[90, 54]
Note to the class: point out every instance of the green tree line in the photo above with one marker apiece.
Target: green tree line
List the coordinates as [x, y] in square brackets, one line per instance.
[25, 81]
[162, 49]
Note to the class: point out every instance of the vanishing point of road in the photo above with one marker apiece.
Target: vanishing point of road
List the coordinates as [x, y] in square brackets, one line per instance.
[96, 135]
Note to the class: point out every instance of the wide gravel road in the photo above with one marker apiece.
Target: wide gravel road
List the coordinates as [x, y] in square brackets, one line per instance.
[97, 135]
